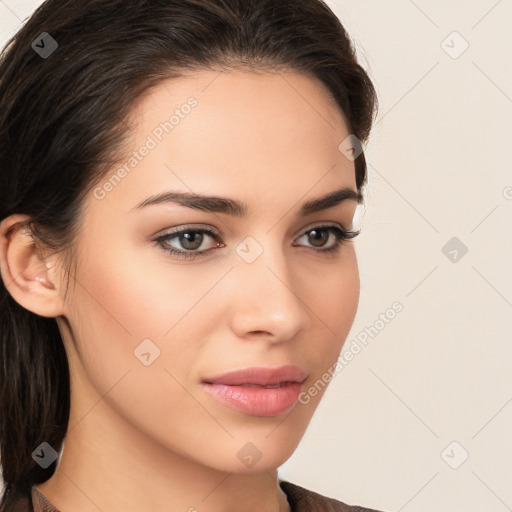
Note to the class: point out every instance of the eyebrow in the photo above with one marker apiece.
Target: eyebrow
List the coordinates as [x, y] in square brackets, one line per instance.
[215, 204]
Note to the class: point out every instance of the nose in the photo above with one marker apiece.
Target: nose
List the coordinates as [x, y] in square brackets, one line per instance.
[266, 301]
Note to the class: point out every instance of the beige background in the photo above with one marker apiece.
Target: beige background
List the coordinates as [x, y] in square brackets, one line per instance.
[440, 167]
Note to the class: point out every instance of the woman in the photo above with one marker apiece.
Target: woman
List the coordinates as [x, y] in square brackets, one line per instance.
[178, 183]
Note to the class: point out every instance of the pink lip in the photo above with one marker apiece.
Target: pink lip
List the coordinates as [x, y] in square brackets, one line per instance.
[243, 389]
[260, 376]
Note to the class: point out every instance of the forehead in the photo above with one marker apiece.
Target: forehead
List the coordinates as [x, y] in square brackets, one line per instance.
[264, 111]
[246, 90]
[229, 133]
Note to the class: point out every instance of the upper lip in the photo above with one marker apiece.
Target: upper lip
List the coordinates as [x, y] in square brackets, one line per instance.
[259, 376]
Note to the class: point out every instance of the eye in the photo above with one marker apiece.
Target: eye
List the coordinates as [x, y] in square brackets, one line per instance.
[319, 237]
[190, 240]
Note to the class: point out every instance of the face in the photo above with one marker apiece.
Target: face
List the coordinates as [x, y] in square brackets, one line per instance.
[145, 327]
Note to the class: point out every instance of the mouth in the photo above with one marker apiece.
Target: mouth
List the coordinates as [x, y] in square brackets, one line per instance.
[258, 391]
[274, 386]
[260, 377]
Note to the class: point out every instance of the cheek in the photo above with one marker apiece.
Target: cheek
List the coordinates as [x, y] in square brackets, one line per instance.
[140, 291]
[334, 296]
[127, 296]
[333, 299]
[123, 305]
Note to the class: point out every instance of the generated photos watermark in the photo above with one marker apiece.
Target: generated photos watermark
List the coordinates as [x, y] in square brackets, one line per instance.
[355, 347]
[152, 141]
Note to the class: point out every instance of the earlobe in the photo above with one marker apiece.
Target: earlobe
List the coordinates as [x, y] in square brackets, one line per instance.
[24, 270]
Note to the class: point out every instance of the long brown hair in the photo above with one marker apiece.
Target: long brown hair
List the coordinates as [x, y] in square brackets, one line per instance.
[64, 114]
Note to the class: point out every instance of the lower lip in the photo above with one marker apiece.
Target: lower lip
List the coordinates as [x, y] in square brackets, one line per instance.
[256, 401]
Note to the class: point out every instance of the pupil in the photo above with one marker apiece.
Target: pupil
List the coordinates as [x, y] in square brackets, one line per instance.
[188, 236]
[318, 235]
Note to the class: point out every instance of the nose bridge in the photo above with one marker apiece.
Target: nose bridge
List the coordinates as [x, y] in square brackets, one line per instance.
[266, 299]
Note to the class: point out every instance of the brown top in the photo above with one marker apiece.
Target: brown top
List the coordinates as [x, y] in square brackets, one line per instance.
[299, 498]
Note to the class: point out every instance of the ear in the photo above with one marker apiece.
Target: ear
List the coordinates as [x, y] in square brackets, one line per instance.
[27, 275]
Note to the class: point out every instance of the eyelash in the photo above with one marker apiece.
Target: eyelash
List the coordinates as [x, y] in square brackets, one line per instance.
[341, 235]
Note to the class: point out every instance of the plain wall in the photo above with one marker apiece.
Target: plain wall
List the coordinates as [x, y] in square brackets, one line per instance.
[433, 384]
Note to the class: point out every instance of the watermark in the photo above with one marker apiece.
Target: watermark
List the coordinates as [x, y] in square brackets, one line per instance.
[507, 193]
[146, 352]
[249, 454]
[455, 455]
[152, 141]
[454, 45]
[351, 147]
[44, 45]
[249, 249]
[45, 455]
[454, 249]
[356, 346]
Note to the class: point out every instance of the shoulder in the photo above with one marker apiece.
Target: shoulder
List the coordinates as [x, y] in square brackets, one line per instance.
[304, 500]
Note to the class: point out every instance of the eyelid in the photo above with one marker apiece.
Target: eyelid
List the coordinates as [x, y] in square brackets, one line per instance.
[323, 224]
[190, 227]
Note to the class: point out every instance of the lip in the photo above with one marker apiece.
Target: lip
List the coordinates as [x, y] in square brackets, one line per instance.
[243, 389]
[260, 376]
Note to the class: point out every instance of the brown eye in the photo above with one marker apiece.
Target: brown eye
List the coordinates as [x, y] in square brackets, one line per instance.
[189, 240]
[319, 236]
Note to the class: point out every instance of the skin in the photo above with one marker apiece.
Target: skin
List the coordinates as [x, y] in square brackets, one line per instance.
[142, 437]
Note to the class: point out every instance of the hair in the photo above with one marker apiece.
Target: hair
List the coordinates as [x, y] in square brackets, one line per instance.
[64, 120]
